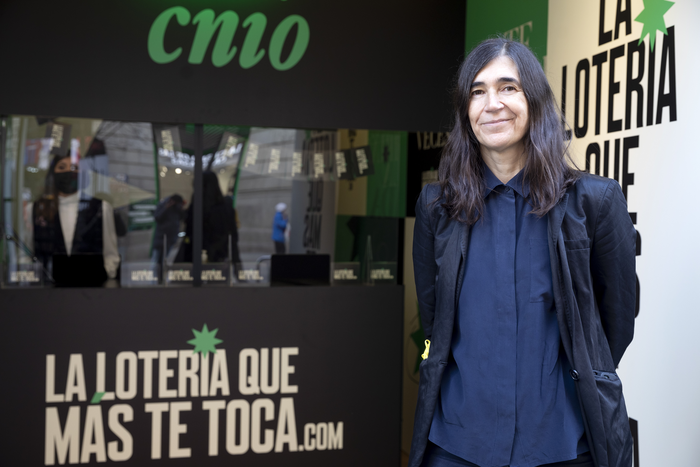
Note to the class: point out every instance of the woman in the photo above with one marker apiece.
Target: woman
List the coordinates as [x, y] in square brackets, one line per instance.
[67, 222]
[526, 284]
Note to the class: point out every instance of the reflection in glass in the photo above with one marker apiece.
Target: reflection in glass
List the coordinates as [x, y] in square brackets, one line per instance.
[279, 227]
[81, 196]
[219, 230]
[169, 213]
[72, 233]
[86, 200]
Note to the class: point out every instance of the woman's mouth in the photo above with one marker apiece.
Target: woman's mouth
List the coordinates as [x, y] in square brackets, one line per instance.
[496, 122]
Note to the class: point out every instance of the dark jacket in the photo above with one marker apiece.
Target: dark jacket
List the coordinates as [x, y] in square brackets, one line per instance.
[168, 215]
[218, 225]
[592, 252]
[48, 235]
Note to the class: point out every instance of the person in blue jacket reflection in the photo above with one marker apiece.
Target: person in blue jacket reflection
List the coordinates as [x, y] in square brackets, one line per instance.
[279, 225]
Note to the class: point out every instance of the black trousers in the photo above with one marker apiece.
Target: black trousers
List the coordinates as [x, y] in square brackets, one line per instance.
[279, 248]
[435, 456]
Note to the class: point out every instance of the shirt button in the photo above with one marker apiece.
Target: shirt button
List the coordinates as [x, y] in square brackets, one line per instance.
[507, 189]
[574, 374]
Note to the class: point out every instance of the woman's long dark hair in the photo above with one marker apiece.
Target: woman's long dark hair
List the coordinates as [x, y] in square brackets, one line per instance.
[547, 168]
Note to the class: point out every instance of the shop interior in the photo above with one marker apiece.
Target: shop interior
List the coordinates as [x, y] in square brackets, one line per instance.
[269, 196]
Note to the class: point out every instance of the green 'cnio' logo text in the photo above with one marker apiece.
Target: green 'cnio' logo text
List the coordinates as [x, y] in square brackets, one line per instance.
[224, 51]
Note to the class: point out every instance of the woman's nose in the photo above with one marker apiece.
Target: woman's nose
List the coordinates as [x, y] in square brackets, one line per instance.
[493, 101]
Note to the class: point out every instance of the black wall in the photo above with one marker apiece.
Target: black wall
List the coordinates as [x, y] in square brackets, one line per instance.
[369, 64]
[347, 368]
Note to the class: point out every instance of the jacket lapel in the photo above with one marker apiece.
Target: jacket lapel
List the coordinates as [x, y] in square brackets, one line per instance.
[555, 218]
[463, 239]
[557, 257]
[447, 288]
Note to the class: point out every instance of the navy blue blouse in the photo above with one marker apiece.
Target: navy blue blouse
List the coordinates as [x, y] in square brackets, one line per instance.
[507, 398]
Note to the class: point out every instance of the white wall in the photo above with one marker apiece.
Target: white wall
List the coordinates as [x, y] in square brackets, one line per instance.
[661, 369]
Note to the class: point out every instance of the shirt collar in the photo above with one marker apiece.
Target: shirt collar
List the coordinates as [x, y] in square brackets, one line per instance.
[517, 183]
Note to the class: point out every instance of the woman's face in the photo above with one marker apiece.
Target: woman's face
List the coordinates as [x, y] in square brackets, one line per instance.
[64, 165]
[498, 109]
[65, 177]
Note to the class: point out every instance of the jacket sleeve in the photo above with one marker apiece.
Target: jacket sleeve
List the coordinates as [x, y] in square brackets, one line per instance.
[613, 270]
[110, 251]
[424, 265]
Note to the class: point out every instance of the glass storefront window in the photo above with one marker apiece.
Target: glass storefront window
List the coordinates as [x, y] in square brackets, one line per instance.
[80, 198]
[90, 202]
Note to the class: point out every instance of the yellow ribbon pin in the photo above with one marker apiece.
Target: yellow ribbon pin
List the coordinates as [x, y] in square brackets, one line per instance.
[427, 349]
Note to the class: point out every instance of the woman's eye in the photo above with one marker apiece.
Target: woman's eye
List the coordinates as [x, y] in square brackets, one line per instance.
[477, 92]
[509, 88]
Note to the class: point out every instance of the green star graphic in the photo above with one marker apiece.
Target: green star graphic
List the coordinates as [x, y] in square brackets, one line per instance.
[653, 19]
[205, 341]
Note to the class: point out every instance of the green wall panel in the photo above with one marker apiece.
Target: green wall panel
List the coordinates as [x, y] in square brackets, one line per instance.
[520, 20]
[386, 189]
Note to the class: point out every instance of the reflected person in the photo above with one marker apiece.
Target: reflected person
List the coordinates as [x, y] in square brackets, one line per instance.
[279, 226]
[219, 223]
[168, 215]
[525, 277]
[67, 222]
